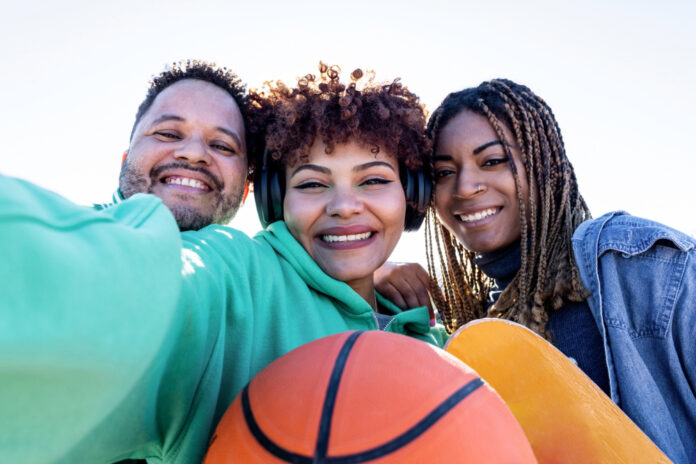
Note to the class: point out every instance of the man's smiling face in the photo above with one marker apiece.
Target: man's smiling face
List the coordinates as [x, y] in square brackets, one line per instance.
[189, 150]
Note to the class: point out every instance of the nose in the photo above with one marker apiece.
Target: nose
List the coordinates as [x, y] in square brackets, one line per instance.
[469, 185]
[194, 150]
[344, 203]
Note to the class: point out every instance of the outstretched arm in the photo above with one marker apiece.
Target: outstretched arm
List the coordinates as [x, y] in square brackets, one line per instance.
[87, 300]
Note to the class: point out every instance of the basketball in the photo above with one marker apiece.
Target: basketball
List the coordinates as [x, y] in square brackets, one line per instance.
[368, 397]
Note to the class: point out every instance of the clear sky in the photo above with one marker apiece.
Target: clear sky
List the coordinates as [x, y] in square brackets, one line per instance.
[619, 76]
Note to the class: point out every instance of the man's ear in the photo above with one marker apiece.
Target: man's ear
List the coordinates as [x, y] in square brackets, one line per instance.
[125, 154]
[246, 191]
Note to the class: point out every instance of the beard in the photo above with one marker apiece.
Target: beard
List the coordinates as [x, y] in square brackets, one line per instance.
[131, 181]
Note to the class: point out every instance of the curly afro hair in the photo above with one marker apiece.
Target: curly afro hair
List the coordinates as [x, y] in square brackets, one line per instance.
[284, 122]
[201, 70]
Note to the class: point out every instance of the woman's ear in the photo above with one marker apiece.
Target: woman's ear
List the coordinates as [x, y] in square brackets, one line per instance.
[125, 154]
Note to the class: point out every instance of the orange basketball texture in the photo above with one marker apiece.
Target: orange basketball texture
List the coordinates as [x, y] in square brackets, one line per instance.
[368, 397]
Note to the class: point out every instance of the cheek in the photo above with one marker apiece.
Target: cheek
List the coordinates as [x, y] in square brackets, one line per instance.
[234, 170]
[391, 209]
[144, 154]
[299, 214]
[441, 199]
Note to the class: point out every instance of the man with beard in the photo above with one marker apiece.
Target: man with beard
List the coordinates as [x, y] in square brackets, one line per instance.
[188, 145]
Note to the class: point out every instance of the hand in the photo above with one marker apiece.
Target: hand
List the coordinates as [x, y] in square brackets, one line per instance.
[405, 284]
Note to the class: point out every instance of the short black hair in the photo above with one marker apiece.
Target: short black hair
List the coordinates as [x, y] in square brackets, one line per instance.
[201, 70]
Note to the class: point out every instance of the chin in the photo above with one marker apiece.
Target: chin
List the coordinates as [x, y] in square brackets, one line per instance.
[348, 275]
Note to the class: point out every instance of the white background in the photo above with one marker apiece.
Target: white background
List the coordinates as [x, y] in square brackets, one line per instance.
[619, 76]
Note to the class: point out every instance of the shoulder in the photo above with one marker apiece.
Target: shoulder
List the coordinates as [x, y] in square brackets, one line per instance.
[638, 271]
[630, 235]
[225, 242]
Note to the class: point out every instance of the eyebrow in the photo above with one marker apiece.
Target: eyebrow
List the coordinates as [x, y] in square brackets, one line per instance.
[311, 167]
[486, 145]
[167, 117]
[360, 167]
[476, 151]
[173, 117]
[232, 134]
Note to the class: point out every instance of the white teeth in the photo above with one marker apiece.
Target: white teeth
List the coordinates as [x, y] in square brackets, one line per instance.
[185, 181]
[478, 215]
[346, 238]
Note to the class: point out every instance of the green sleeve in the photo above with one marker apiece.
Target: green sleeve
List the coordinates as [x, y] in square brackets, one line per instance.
[88, 304]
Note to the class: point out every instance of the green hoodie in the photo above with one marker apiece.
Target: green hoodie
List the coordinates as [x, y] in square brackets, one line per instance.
[118, 342]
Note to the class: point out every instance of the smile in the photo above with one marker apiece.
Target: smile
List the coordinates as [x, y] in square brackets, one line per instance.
[346, 238]
[477, 216]
[187, 182]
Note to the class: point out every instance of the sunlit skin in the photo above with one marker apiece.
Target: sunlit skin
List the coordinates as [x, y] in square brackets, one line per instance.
[347, 209]
[475, 193]
[189, 150]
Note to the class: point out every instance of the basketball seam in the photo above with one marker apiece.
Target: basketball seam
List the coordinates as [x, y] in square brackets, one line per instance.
[320, 454]
[414, 432]
[263, 440]
[330, 399]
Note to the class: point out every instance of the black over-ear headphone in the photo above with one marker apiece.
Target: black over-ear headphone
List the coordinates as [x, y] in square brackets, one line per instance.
[269, 194]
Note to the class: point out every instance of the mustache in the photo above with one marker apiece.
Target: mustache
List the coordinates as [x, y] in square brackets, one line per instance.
[210, 177]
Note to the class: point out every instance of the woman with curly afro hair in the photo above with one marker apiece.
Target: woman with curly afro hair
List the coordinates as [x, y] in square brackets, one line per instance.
[186, 320]
[342, 168]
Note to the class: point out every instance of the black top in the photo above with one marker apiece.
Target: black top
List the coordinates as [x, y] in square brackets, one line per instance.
[573, 329]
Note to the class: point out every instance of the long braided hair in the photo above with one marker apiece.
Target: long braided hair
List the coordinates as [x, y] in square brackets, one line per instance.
[548, 274]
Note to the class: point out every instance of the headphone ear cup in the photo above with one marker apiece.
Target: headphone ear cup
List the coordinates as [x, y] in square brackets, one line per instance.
[409, 186]
[261, 197]
[425, 192]
[275, 196]
[418, 190]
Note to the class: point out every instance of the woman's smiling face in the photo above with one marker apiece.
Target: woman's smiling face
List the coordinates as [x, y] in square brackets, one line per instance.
[475, 193]
[347, 209]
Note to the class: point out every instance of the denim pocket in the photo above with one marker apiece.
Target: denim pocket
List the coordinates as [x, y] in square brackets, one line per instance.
[640, 287]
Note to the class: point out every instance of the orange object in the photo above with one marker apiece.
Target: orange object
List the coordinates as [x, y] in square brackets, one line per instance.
[246, 191]
[566, 417]
[368, 397]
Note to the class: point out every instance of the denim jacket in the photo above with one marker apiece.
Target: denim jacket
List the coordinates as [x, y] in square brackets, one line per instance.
[642, 276]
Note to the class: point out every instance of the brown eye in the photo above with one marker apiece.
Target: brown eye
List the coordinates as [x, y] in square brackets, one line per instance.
[309, 185]
[168, 135]
[376, 181]
[442, 173]
[495, 161]
[223, 147]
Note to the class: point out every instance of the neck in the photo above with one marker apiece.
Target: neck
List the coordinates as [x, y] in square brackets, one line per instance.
[366, 289]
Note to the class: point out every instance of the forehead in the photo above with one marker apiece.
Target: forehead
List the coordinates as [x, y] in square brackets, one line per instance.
[347, 154]
[470, 127]
[197, 102]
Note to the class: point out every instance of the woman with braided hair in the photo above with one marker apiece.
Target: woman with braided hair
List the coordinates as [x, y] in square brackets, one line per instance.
[510, 236]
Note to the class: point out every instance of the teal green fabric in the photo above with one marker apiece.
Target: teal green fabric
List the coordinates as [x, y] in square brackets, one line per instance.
[121, 338]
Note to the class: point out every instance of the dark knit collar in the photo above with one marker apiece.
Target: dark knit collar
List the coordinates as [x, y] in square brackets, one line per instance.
[501, 264]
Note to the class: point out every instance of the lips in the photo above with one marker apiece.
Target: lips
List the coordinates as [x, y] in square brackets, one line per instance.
[185, 176]
[185, 181]
[473, 217]
[478, 215]
[346, 237]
